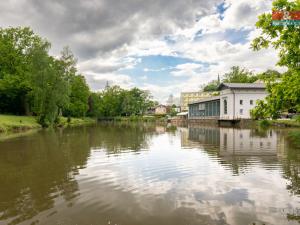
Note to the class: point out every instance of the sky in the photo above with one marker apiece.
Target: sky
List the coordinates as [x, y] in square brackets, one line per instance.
[164, 46]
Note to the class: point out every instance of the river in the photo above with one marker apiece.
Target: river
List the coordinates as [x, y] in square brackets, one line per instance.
[145, 174]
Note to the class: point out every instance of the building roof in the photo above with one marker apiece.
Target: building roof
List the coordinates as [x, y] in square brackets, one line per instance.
[182, 114]
[213, 98]
[158, 106]
[242, 86]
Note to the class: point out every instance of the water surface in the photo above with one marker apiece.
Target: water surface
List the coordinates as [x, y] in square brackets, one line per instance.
[146, 174]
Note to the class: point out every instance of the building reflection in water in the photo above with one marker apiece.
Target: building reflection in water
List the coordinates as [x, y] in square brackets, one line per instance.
[234, 147]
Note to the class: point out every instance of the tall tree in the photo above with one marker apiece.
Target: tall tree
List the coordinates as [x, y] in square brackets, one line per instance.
[49, 90]
[284, 95]
[78, 105]
[16, 47]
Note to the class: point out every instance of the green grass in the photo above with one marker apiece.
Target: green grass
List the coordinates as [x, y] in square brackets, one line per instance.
[286, 123]
[17, 123]
[9, 123]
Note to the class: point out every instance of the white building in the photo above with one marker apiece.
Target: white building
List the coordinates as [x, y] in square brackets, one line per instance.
[237, 99]
[234, 102]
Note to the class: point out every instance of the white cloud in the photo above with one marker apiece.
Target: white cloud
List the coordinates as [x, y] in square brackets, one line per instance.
[109, 36]
[186, 70]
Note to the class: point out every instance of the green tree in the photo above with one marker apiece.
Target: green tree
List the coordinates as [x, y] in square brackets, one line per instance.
[16, 47]
[49, 90]
[284, 94]
[94, 103]
[212, 86]
[136, 102]
[112, 99]
[269, 75]
[285, 39]
[239, 75]
[78, 105]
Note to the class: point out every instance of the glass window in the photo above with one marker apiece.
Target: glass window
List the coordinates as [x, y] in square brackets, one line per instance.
[225, 106]
[241, 111]
[241, 102]
[251, 102]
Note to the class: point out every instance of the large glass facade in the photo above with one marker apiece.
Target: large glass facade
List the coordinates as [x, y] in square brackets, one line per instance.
[205, 109]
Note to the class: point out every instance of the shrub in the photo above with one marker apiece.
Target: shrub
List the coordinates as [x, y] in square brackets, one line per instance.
[264, 123]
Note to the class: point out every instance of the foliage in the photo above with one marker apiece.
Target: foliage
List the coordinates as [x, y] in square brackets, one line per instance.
[239, 75]
[115, 101]
[285, 39]
[269, 75]
[297, 118]
[79, 96]
[16, 47]
[94, 103]
[212, 86]
[33, 82]
[280, 98]
[49, 90]
[260, 111]
[284, 95]
[264, 123]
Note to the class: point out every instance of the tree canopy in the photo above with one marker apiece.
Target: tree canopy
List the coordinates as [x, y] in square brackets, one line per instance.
[283, 92]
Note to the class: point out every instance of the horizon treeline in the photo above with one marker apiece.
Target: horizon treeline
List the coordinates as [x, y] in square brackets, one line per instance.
[32, 82]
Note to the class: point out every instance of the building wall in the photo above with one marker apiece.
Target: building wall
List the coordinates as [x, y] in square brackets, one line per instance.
[189, 97]
[160, 110]
[236, 110]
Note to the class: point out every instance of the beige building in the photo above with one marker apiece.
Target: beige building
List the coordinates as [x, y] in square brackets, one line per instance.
[161, 110]
[189, 97]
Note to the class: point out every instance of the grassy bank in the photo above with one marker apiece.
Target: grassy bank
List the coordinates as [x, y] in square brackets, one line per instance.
[63, 122]
[156, 118]
[9, 123]
[279, 123]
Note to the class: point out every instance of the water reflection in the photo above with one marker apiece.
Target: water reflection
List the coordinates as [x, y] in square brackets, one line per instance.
[147, 174]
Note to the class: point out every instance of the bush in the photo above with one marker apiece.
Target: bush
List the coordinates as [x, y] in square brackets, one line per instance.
[297, 118]
[264, 123]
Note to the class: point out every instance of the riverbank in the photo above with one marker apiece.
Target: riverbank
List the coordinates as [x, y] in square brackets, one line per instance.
[154, 118]
[10, 123]
[280, 123]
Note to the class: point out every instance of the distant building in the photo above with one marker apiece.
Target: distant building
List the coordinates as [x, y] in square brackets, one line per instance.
[170, 100]
[188, 97]
[161, 110]
[234, 102]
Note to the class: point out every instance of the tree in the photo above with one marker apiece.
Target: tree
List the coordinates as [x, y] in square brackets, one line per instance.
[239, 75]
[79, 95]
[283, 95]
[49, 90]
[212, 86]
[16, 47]
[94, 103]
[285, 39]
[112, 99]
[269, 75]
[136, 102]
